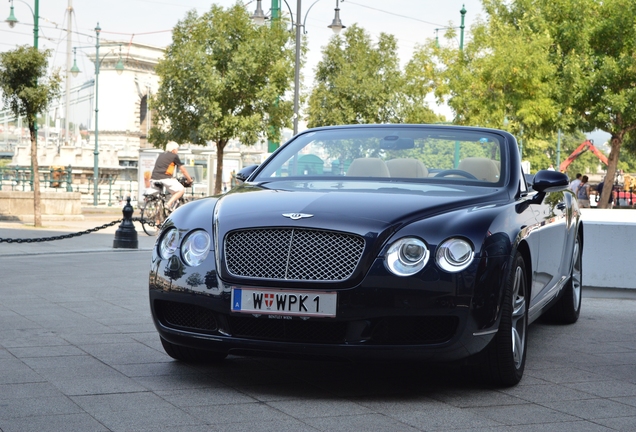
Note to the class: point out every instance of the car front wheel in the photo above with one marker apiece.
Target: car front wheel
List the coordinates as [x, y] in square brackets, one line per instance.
[504, 359]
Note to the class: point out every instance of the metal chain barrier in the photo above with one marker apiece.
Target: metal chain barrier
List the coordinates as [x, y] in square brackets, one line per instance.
[125, 237]
[62, 237]
[77, 234]
[148, 222]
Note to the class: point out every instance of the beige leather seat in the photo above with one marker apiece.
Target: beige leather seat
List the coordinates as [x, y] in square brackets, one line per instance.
[368, 167]
[483, 168]
[405, 167]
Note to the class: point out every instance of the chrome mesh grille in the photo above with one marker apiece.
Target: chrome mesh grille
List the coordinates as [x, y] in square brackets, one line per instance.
[292, 254]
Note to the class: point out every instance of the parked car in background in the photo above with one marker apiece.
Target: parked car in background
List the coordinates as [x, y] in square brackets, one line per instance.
[416, 242]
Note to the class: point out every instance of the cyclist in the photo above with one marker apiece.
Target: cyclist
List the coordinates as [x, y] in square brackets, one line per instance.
[164, 171]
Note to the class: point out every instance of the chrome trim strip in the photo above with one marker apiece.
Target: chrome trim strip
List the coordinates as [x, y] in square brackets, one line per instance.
[485, 333]
[550, 296]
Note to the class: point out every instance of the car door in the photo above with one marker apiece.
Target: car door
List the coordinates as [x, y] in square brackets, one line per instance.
[552, 230]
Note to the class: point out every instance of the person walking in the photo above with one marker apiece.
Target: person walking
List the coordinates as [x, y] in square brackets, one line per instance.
[575, 183]
[583, 193]
[164, 171]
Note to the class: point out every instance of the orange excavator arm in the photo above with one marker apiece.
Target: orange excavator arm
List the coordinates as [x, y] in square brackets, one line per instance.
[585, 146]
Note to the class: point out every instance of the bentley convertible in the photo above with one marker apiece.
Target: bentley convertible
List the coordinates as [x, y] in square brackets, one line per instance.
[413, 242]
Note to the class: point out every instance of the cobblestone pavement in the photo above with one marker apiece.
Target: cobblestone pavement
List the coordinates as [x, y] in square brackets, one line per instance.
[78, 352]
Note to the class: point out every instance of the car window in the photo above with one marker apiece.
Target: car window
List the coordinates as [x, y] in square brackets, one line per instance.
[391, 154]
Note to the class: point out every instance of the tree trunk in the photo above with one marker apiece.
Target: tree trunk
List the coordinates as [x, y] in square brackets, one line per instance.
[612, 165]
[37, 213]
[218, 179]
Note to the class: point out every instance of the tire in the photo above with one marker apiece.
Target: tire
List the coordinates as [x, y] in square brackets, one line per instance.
[191, 355]
[152, 213]
[504, 359]
[568, 308]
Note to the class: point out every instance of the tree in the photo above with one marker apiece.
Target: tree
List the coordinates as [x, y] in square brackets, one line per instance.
[357, 81]
[605, 97]
[194, 280]
[548, 65]
[26, 93]
[223, 78]
[503, 78]
[419, 79]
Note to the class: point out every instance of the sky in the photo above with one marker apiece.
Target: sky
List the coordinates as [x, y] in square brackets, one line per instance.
[151, 21]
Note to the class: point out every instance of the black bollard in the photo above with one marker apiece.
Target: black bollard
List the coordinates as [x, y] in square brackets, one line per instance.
[126, 234]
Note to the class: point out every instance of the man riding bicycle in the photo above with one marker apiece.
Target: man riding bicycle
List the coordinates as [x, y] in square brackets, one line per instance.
[164, 172]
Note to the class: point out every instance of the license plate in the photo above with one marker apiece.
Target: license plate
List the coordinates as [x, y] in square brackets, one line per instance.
[284, 302]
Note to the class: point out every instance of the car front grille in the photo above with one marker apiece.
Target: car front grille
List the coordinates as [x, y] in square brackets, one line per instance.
[292, 254]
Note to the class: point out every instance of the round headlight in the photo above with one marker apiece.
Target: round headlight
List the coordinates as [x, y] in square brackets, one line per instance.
[407, 256]
[454, 255]
[169, 243]
[195, 247]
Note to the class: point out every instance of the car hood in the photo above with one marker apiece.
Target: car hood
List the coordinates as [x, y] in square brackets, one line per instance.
[365, 212]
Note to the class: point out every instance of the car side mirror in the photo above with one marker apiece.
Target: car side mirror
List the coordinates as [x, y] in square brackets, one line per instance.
[550, 181]
[244, 174]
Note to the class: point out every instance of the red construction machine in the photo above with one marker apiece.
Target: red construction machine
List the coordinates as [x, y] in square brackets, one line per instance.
[585, 146]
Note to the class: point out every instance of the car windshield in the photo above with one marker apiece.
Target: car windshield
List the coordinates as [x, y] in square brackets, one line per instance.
[425, 155]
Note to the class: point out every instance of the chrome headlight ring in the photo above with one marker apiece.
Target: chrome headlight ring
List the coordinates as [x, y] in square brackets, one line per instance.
[407, 256]
[195, 247]
[454, 254]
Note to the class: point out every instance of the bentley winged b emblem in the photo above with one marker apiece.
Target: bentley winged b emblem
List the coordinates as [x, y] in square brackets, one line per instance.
[296, 216]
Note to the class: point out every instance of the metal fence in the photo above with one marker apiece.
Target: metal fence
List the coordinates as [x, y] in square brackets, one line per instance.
[60, 179]
[110, 190]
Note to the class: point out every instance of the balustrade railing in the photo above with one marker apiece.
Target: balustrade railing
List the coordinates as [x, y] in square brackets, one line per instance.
[111, 191]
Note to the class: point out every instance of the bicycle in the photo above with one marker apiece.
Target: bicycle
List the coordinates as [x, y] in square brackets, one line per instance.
[154, 211]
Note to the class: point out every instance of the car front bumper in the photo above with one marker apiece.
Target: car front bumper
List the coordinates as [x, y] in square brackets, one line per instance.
[434, 318]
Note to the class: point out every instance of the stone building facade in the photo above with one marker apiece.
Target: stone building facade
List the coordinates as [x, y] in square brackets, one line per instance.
[124, 120]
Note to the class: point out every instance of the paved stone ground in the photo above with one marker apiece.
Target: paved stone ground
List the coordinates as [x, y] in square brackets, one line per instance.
[78, 352]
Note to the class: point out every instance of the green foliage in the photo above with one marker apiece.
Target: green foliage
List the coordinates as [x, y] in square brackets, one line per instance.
[24, 91]
[441, 153]
[502, 79]
[419, 78]
[538, 66]
[223, 78]
[358, 81]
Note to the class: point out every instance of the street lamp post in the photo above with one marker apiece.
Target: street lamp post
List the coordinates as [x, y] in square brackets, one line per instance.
[119, 67]
[12, 20]
[297, 68]
[96, 150]
[461, 30]
[259, 17]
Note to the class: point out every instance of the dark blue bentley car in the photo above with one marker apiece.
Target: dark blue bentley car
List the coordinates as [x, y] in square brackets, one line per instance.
[415, 242]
